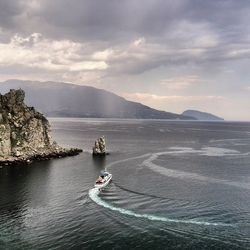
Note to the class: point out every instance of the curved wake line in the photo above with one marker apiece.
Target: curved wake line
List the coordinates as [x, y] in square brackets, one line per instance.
[127, 159]
[94, 195]
[186, 175]
[208, 151]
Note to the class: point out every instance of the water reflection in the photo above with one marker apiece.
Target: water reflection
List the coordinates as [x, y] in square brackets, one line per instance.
[20, 188]
[99, 162]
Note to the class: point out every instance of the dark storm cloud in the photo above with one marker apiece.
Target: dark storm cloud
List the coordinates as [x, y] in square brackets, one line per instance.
[106, 19]
[175, 32]
[9, 10]
[100, 41]
[228, 17]
[112, 19]
[117, 21]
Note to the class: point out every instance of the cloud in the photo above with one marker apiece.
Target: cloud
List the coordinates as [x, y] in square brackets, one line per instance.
[169, 44]
[172, 98]
[139, 42]
[35, 57]
[111, 19]
[140, 55]
[35, 51]
[9, 10]
[103, 55]
[117, 21]
[181, 82]
[127, 37]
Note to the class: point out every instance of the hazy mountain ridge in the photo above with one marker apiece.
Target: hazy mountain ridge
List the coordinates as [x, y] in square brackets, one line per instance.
[202, 115]
[69, 100]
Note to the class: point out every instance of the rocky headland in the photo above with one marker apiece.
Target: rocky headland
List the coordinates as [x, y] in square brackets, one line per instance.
[25, 133]
[202, 116]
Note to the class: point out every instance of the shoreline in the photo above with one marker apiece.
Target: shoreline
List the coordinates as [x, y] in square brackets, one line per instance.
[28, 159]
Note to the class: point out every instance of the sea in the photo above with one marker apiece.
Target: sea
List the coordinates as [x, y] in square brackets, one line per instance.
[176, 185]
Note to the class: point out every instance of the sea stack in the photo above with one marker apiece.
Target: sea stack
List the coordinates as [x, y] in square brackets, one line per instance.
[99, 148]
[25, 133]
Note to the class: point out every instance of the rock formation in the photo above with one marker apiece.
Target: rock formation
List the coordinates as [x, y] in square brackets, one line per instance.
[24, 132]
[100, 147]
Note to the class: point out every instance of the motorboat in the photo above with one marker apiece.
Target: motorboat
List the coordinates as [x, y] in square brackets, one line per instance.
[103, 179]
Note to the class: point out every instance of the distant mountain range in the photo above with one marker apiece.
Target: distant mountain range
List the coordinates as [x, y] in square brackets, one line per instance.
[202, 115]
[68, 100]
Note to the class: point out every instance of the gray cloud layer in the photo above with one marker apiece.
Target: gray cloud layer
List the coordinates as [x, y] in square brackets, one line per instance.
[112, 19]
[92, 40]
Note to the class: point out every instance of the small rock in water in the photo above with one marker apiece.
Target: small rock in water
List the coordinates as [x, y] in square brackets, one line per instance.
[100, 146]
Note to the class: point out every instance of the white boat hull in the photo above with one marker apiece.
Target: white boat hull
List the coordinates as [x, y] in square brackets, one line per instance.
[102, 185]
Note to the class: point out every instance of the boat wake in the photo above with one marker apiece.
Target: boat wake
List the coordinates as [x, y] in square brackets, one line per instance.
[205, 151]
[94, 195]
[148, 162]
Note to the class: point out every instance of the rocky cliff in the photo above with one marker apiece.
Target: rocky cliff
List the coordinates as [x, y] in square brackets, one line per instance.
[24, 132]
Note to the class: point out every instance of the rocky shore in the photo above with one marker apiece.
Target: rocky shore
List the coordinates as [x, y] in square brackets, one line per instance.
[46, 155]
[25, 133]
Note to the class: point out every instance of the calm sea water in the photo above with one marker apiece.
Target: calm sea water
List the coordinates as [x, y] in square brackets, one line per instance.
[176, 185]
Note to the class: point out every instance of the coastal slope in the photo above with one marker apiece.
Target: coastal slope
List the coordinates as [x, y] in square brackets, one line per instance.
[70, 100]
[202, 115]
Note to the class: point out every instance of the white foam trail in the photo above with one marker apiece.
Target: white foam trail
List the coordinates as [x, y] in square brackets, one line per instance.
[128, 159]
[206, 151]
[187, 175]
[94, 195]
[209, 151]
[232, 139]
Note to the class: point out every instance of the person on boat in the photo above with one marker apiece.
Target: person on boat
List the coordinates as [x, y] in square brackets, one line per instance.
[100, 179]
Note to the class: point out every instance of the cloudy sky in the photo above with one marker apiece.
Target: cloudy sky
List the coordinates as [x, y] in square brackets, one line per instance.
[170, 55]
